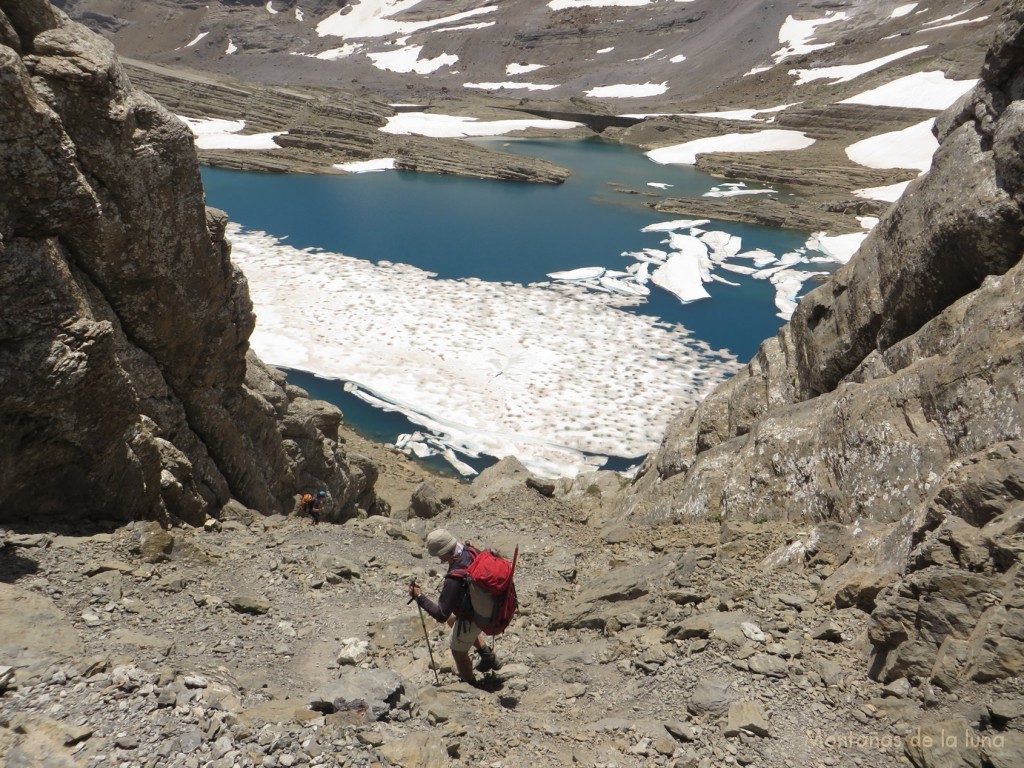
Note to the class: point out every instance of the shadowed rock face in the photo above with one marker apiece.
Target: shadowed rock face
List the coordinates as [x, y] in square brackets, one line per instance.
[125, 386]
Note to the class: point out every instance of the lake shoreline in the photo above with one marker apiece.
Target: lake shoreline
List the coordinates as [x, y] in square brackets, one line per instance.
[327, 127]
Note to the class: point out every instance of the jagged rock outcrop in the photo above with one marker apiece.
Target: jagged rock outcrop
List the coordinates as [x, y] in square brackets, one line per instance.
[906, 361]
[125, 386]
[958, 612]
[893, 400]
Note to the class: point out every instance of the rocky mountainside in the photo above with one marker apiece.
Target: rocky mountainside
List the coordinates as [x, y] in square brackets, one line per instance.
[822, 565]
[126, 390]
[554, 52]
[326, 76]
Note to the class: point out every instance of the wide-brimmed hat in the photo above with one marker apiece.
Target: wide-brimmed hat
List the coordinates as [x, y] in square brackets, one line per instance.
[440, 543]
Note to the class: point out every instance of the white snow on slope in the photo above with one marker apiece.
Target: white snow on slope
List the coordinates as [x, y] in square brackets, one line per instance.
[627, 91]
[511, 86]
[405, 60]
[795, 35]
[226, 134]
[921, 90]
[843, 73]
[453, 126]
[912, 147]
[370, 18]
[762, 141]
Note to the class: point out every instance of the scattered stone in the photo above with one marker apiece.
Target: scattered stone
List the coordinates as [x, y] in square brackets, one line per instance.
[353, 651]
[746, 716]
[251, 604]
[712, 696]
[829, 631]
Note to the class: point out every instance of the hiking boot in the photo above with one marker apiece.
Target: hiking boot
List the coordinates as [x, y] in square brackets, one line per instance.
[488, 661]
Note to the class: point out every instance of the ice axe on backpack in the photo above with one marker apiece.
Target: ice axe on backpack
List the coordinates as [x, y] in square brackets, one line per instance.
[426, 636]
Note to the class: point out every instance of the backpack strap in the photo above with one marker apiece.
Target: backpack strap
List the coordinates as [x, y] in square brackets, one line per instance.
[463, 573]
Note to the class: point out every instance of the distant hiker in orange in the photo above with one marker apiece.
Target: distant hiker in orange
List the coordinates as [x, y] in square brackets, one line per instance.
[465, 606]
[313, 505]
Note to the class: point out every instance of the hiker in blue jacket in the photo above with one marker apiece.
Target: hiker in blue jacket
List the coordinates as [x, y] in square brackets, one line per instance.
[462, 604]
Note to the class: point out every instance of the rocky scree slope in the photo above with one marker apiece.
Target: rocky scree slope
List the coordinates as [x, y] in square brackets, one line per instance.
[126, 390]
[267, 641]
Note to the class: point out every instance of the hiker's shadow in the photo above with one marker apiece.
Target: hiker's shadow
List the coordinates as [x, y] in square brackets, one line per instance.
[489, 683]
[14, 565]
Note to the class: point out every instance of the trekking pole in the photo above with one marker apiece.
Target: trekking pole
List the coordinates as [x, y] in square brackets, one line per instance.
[426, 636]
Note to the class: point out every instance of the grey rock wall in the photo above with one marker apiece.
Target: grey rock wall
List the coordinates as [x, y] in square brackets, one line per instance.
[906, 361]
[125, 386]
[893, 402]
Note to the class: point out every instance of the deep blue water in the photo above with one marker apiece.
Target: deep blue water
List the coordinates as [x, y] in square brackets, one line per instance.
[504, 232]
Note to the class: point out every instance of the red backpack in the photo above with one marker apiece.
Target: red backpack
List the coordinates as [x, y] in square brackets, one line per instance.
[493, 574]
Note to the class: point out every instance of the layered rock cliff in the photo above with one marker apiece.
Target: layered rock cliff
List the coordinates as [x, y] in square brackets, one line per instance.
[126, 387]
[892, 402]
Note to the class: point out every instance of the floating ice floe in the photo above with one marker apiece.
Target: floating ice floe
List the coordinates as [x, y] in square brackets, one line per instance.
[697, 254]
[618, 285]
[669, 226]
[788, 283]
[605, 280]
[583, 273]
[681, 276]
[722, 244]
[758, 256]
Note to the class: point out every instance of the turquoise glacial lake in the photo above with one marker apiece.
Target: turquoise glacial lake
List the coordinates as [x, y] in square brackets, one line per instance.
[506, 232]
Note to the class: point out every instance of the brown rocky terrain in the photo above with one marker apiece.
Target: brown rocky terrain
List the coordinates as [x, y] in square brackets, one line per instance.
[266, 640]
[821, 565]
